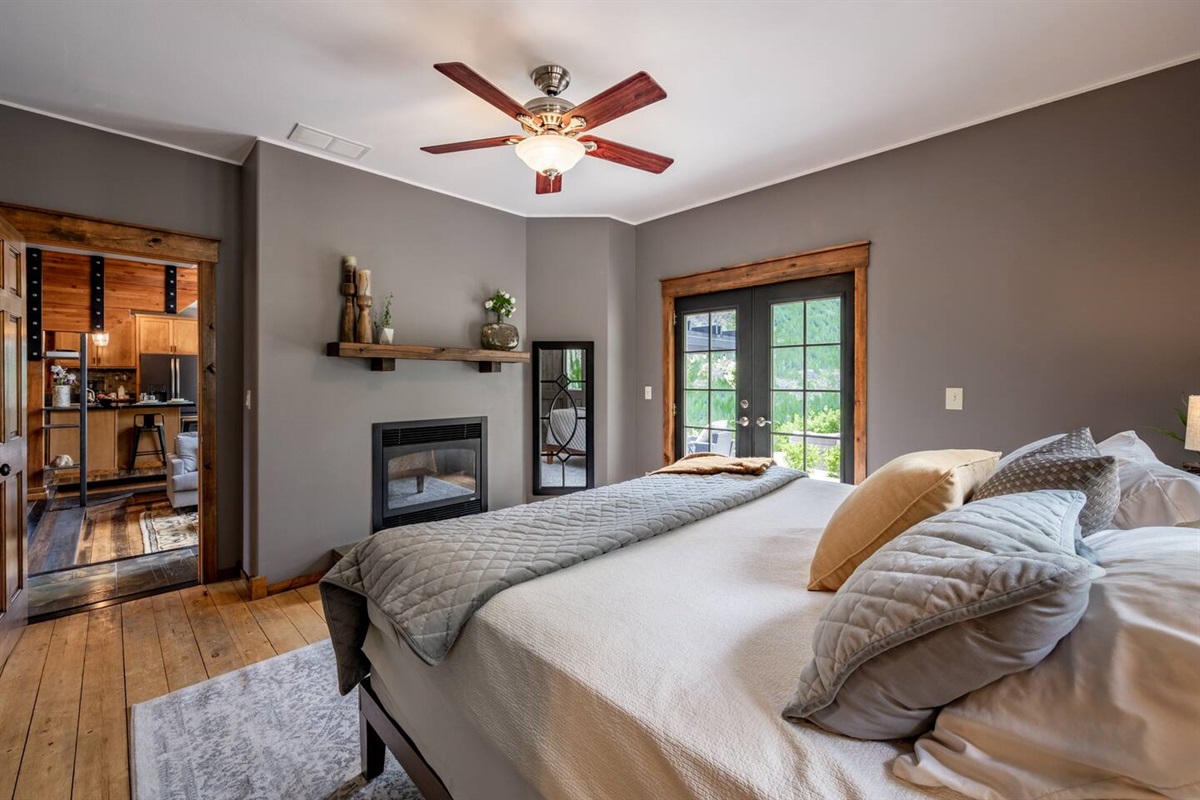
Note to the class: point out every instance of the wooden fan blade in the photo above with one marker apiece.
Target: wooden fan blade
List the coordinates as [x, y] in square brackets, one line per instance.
[633, 93]
[628, 156]
[477, 85]
[474, 144]
[548, 185]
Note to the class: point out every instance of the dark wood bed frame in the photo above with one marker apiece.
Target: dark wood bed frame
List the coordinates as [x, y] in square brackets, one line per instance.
[377, 730]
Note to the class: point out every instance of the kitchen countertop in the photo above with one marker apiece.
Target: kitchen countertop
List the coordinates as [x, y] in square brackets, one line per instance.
[122, 406]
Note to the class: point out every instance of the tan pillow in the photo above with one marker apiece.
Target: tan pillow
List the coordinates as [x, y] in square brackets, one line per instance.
[897, 496]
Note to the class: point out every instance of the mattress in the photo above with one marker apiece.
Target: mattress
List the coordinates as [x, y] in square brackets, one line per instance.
[658, 670]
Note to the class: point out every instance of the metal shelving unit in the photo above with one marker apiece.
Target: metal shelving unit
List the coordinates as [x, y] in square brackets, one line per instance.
[47, 425]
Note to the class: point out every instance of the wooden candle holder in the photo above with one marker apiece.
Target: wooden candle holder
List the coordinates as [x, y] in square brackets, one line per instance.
[362, 333]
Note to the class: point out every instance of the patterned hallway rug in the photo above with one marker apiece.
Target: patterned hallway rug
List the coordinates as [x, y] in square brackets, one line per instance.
[275, 729]
[168, 529]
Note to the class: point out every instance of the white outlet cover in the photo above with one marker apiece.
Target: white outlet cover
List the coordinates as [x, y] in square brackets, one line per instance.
[954, 399]
[649, 393]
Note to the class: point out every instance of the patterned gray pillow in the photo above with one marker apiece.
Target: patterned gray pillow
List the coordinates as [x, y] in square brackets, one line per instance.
[1070, 462]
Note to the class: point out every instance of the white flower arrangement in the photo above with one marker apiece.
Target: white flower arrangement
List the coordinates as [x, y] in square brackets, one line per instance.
[501, 303]
[61, 376]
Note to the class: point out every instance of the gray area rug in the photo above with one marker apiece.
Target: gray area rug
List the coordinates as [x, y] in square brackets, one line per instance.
[275, 729]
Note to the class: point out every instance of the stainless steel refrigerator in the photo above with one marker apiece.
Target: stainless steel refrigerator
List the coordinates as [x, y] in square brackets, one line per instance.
[170, 377]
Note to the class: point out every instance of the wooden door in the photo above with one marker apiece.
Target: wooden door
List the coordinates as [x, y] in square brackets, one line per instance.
[14, 599]
[187, 337]
[154, 335]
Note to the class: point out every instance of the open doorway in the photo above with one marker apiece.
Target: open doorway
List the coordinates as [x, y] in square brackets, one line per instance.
[119, 472]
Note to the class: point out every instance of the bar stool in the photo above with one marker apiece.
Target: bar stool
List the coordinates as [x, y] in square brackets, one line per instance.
[189, 422]
[147, 423]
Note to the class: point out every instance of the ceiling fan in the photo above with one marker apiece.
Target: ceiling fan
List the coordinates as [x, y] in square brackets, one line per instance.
[553, 144]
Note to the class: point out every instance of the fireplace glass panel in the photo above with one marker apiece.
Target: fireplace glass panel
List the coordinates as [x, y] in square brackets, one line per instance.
[431, 476]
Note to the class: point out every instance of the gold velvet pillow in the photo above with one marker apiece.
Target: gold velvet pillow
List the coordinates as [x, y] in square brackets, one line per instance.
[895, 497]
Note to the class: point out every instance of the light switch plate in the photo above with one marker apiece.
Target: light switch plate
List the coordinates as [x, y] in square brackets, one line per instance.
[649, 393]
[954, 399]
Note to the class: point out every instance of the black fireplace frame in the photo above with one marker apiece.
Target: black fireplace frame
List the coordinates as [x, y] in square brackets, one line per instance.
[420, 434]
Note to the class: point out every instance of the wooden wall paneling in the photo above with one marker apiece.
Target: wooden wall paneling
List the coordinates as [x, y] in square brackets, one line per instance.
[65, 291]
[187, 286]
[853, 257]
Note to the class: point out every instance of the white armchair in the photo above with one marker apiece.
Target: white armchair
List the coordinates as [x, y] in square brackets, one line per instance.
[183, 476]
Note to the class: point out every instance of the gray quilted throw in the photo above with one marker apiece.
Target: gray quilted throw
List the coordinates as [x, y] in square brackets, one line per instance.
[431, 577]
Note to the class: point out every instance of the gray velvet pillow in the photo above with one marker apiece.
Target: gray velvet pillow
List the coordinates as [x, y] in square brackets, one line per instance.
[1066, 462]
[949, 606]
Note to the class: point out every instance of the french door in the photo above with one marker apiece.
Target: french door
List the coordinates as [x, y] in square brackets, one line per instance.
[768, 371]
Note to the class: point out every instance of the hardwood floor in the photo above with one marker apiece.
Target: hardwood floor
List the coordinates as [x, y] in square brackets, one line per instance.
[66, 690]
[63, 537]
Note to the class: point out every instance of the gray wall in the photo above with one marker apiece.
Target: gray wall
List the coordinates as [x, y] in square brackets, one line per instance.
[1047, 262]
[581, 285]
[441, 257]
[57, 165]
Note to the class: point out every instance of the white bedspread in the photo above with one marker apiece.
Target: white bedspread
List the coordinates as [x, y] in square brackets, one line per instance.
[658, 670]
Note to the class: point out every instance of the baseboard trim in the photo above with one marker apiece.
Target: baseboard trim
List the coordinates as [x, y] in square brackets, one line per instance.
[257, 587]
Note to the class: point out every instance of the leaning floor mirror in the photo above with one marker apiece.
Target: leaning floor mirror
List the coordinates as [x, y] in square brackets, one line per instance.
[562, 423]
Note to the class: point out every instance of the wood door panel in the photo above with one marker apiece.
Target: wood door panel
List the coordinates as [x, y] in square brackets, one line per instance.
[13, 597]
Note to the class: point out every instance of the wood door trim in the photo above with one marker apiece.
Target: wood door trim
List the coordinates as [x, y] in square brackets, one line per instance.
[852, 257]
[40, 226]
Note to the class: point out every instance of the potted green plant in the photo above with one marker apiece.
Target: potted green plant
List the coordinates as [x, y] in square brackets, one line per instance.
[383, 322]
[500, 335]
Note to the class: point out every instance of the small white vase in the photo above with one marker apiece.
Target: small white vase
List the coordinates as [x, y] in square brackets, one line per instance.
[62, 396]
[385, 335]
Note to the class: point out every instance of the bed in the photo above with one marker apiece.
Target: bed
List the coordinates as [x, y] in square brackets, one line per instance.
[657, 670]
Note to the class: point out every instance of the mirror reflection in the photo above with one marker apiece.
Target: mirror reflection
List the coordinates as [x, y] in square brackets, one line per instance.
[563, 427]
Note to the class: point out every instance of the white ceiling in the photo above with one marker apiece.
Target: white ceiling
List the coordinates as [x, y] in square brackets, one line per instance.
[757, 91]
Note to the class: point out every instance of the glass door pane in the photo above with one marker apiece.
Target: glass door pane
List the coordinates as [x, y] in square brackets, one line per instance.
[710, 381]
[802, 411]
[711, 386]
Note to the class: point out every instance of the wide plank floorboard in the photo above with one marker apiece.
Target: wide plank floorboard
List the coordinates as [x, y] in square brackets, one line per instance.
[68, 685]
[102, 747]
[18, 689]
[47, 768]
[307, 621]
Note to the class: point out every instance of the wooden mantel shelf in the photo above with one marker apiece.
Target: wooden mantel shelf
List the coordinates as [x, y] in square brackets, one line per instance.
[383, 356]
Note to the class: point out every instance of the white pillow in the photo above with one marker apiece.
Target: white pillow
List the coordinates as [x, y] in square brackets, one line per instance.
[1023, 449]
[1152, 493]
[1112, 712]
[187, 447]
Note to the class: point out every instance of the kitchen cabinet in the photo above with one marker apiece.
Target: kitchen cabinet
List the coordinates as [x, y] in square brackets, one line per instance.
[120, 350]
[187, 336]
[167, 335]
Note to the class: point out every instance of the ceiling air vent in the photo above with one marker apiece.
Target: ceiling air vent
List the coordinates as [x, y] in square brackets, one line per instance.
[302, 134]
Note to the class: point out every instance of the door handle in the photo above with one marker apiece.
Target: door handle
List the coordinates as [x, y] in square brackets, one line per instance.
[762, 422]
[5, 470]
[744, 422]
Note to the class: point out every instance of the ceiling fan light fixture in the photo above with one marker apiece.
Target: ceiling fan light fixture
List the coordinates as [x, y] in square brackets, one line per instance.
[550, 154]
